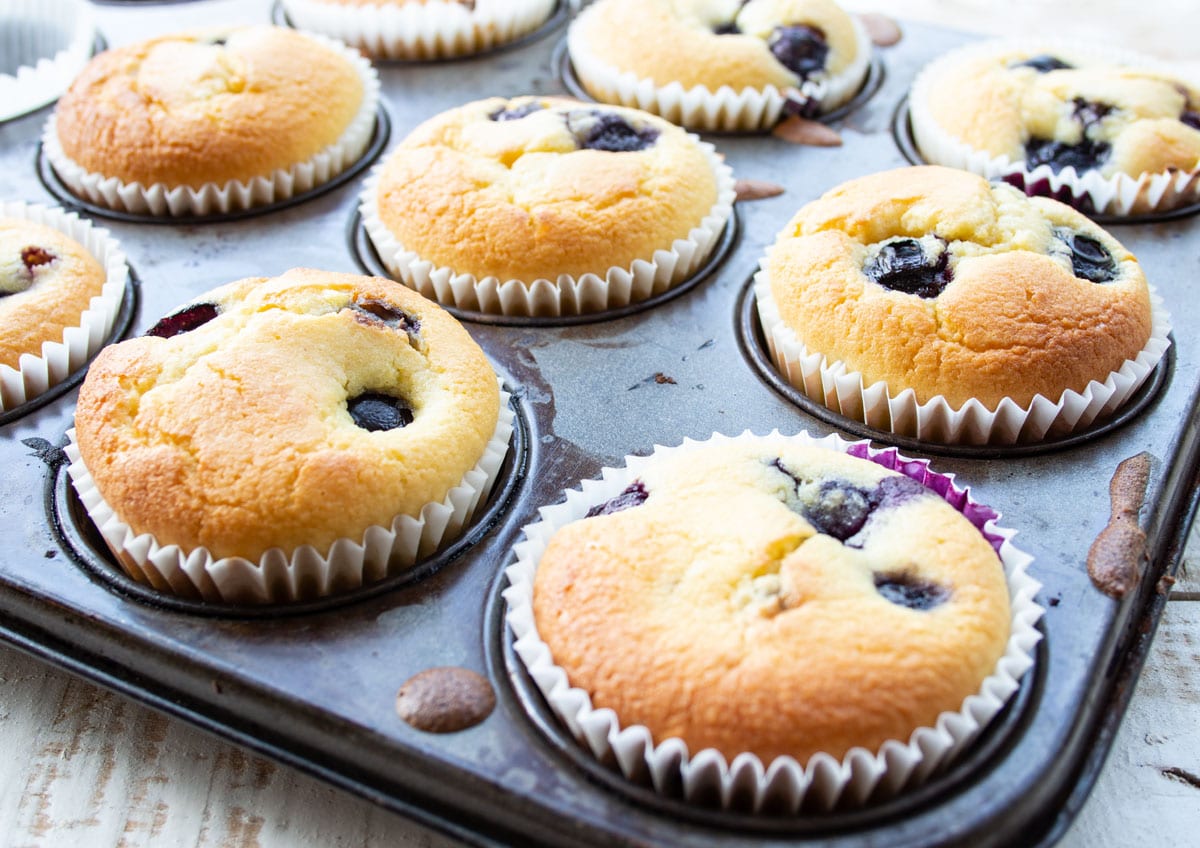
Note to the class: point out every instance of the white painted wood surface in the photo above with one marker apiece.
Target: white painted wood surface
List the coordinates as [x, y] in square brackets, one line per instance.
[82, 767]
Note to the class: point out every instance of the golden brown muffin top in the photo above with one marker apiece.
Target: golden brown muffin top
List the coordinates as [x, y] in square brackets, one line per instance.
[47, 281]
[191, 109]
[713, 43]
[245, 425]
[1065, 108]
[933, 279]
[532, 188]
[777, 600]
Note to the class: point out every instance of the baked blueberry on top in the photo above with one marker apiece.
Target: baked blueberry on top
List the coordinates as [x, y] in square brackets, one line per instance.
[933, 280]
[997, 106]
[773, 598]
[738, 46]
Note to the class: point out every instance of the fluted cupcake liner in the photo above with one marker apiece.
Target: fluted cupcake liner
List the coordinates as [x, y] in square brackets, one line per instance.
[836, 386]
[745, 781]
[439, 29]
[1090, 191]
[723, 110]
[60, 357]
[305, 573]
[43, 45]
[566, 295]
[162, 200]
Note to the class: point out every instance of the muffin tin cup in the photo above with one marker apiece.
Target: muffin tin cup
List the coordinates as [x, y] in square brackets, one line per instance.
[45, 44]
[163, 201]
[305, 574]
[1119, 196]
[844, 391]
[567, 295]
[59, 358]
[784, 785]
[723, 110]
[440, 29]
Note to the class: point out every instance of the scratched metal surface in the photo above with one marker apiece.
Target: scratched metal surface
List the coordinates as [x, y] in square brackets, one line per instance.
[318, 689]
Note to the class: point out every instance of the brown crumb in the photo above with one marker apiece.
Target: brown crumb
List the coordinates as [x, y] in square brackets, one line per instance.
[883, 31]
[1164, 584]
[756, 189]
[799, 130]
[663, 379]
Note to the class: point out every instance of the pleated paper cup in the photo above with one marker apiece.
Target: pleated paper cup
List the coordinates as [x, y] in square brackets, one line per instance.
[723, 110]
[1090, 191]
[744, 782]
[837, 387]
[438, 29]
[306, 573]
[61, 357]
[566, 294]
[162, 200]
[43, 45]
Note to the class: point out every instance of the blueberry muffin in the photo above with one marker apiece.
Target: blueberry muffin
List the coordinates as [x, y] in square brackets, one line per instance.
[420, 29]
[517, 198]
[229, 120]
[993, 106]
[769, 597]
[47, 281]
[933, 281]
[720, 64]
[284, 413]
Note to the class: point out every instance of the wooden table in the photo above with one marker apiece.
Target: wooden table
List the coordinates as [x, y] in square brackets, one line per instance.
[86, 767]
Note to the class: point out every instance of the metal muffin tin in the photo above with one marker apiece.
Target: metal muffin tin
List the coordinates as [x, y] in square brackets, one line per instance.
[314, 686]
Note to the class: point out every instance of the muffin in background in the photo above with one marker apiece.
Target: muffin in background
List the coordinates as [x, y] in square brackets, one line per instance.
[546, 206]
[724, 65]
[283, 439]
[928, 302]
[1104, 130]
[212, 122]
[421, 29]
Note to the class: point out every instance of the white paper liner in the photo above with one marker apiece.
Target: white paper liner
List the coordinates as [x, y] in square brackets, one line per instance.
[44, 45]
[162, 200]
[701, 108]
[430, 30]
[59, 358]
[835, 386]
[1121, 194]
[566, 295]
[745, 782]
[307, 573]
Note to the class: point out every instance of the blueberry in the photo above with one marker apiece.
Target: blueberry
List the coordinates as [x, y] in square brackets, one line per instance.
[1089, 112]
[1191, 118]
[36, 256]
[372, 311]
[185, 320]
[1043, 64]
[634, 495]
[908, 591]
[728, 28]
[799, 48]
[839, 510]
[610, 132]
[1084, 156]
[375, 412]
[903, 266]
[1090, 260]
[894, 491]
[523, 111]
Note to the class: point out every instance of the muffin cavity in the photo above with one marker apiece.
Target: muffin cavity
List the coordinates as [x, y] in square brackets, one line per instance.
[634, 495]
[1087, 154]
[1090, 260]
[516, 114]
[376, 412]
[918, 267]
[907, 590]
[596, 130]
[185, 320]
[801, 49]
[1043, 64]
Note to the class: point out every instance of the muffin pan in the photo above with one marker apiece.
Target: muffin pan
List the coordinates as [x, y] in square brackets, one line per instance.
[315, 686]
